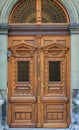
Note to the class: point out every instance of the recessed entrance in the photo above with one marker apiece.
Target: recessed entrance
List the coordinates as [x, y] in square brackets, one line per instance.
[39, 67]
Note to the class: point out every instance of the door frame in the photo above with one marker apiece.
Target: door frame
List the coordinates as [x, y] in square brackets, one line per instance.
[55, 30]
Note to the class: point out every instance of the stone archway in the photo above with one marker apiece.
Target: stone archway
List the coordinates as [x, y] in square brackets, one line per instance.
[9, 5]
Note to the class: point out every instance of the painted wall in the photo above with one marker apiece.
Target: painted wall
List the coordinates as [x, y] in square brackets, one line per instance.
[75, 61]
[3, 61]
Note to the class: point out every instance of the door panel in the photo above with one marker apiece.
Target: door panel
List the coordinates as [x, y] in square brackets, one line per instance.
[39, 81]
[23, 114]
[54, 81]
[22, 82]
[55, 115]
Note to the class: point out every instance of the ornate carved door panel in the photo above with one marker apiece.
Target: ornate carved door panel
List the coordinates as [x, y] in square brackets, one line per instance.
[55, 81]
[22, 82]
[39, 81]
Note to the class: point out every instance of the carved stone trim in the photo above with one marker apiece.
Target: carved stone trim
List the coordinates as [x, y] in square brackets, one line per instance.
[74, 28]
[4, 28]
[42, 30]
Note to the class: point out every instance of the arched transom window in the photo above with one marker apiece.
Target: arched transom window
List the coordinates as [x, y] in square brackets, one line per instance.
[38, 11]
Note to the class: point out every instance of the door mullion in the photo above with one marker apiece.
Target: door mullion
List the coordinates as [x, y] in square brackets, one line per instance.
[38, 12]
[38, 84]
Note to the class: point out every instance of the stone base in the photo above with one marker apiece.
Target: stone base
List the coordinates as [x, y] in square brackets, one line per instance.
[6, 128]
[74, 127]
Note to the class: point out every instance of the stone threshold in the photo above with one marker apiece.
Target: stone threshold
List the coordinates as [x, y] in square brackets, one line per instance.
[36, 129]
[5, 128]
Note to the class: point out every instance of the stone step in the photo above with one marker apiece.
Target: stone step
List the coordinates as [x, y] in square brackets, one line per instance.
[5, 128]
[36, 129]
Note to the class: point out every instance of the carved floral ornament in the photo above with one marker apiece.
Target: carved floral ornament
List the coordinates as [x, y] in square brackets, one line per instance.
[38, 11]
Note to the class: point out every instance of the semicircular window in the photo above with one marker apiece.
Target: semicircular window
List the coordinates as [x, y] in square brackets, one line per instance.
[52, 12]
[25, 12]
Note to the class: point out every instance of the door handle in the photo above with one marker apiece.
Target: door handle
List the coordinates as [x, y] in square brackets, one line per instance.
[9, 53]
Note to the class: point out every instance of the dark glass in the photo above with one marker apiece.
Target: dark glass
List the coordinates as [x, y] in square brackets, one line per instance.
[23, 71]
[54, 71]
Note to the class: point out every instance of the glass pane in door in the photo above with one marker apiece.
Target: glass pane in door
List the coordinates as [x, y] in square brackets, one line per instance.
[23, 71]
[54, 71]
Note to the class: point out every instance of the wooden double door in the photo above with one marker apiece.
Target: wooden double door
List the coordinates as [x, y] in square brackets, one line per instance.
[38, 81]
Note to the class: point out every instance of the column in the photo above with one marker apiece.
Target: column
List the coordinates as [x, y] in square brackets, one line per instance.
[74, 56]
[3, 56]
[3, 64]
[74, 29]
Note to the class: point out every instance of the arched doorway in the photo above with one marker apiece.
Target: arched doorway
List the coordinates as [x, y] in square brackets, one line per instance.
[39, 65]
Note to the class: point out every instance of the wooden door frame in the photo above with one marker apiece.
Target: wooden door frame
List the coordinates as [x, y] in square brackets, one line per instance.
[55, 30]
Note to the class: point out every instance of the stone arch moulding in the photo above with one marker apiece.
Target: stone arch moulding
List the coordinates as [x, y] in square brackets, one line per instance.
[9, 5]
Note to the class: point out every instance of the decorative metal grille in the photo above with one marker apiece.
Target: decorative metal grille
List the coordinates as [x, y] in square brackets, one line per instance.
[54, 71]
[52, 12]
[23, 71]
[25, 12]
